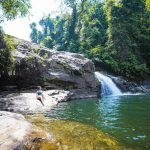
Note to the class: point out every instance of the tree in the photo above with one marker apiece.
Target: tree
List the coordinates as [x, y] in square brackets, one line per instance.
[6, 59]
[34, 33]
[52, 32]
[47, 25]
[59, 25]
[48, 42]
[10, 9]
[125, 23]
[70, 35]
[113, 33]
[92, 28]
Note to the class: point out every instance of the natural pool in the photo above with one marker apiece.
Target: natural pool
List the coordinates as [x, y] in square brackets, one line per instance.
[124, 117]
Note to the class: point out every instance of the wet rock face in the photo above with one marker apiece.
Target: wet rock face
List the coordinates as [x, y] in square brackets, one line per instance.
[36, 65]
[128, 86]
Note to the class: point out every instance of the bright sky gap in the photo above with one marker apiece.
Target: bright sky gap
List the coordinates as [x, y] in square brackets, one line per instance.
[20, 27]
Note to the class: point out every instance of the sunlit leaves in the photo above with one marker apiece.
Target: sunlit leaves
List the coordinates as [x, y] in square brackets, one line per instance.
[126, 21]
[6, 59]
[113, 32]
[10, 9]
[148, 5]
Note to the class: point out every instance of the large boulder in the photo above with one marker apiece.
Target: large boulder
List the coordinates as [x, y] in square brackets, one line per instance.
[17, 133]
[53, 69]
[129, 86]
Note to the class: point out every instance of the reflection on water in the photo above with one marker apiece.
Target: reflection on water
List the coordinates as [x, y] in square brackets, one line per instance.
[125, 117]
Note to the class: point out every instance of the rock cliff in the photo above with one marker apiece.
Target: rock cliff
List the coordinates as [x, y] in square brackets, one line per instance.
[37, 65]
[130, 86]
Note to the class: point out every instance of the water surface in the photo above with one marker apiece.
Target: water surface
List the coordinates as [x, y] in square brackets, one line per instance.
[124, 117]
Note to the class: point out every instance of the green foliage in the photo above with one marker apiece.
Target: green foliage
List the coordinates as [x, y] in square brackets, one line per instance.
[6, 58]
[114, 33]
[126, 22]
[92, 29]
[45, 56]
[29, 58]
[48, 42]
[1, 29]
[34, 33]
[47, 25]
[10, 9]
[63, 63]
[148, 5]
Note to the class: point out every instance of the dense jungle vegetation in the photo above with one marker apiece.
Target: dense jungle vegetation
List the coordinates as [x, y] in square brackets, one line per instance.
[115, 34]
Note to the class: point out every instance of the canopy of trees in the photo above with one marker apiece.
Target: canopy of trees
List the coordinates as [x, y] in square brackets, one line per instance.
[9, 9]
[114, 34]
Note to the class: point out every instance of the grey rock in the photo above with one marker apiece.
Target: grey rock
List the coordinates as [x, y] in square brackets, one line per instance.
[129, 86]
[25, 101]
[37, 65]
[16, 132]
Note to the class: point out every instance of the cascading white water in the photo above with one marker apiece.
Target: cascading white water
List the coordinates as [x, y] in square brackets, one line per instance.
[108, 87]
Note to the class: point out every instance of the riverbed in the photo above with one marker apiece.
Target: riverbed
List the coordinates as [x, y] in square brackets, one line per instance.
[122, 121]
[126, 117]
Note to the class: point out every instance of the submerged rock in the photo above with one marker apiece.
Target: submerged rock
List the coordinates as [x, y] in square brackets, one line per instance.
[17, 133]
[43, 133]
[74, 135]
[36, 65]
[49, 134]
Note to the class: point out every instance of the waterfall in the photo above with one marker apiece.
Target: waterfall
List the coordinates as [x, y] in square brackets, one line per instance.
[108, 87]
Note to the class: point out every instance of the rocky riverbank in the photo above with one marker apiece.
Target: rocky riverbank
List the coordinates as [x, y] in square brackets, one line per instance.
[129, 86]
[17, 133]
[36, 65]
[38, 132]
[26, 102]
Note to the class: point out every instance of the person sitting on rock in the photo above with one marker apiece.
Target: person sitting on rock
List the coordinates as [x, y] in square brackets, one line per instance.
[40, 95]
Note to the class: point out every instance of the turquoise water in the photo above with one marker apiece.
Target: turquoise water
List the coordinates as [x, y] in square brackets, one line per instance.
[127, 118]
